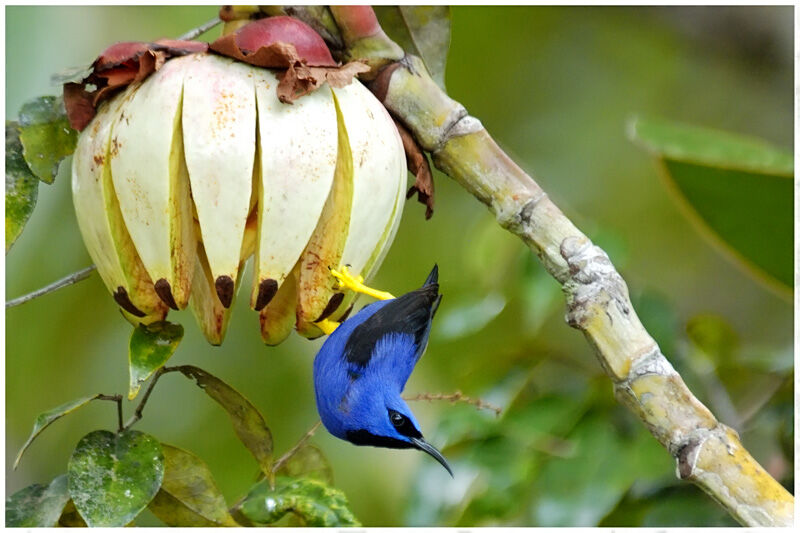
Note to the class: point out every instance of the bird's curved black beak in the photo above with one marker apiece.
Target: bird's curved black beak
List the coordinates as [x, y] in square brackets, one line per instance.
[433, 452]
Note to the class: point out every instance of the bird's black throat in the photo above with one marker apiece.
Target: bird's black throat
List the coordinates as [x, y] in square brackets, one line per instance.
[362, 437]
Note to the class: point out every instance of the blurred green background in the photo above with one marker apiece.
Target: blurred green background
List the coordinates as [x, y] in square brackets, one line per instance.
[555, 87]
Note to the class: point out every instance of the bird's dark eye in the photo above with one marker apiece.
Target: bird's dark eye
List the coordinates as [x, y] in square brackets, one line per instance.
[396, 418]
[403, 424]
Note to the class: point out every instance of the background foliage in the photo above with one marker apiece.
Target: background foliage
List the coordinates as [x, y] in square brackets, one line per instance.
[555, 86]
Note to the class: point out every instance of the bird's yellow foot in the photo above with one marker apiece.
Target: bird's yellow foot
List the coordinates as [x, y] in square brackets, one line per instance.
[356, 284]
[327, 326]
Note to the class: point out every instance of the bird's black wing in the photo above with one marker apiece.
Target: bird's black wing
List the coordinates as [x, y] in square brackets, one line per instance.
[411, 313]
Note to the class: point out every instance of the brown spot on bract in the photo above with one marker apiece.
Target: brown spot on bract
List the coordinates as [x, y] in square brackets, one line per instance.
[266, 291]
[98, 159]
[164, 292]
[122, 299]
[333, 305]
[224, 286]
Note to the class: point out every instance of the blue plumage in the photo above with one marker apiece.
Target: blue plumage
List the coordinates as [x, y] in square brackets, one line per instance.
[363, 366]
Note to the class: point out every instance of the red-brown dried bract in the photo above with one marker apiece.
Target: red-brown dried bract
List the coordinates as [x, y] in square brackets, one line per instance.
[117, 67]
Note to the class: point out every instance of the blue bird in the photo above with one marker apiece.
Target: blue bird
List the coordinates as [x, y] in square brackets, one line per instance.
[363, 366]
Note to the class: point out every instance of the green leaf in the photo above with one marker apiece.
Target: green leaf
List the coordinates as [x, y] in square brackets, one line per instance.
[420, 30]
[37, 505]
[150, 348]
[48, 417]
[189, 497]
[248, 423]
[310, 462]
[22, 187]
[46, 135]
[113, 476]
[312, 500]
[737, 190]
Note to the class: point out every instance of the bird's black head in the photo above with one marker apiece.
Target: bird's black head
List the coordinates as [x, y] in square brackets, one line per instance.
[396, 428]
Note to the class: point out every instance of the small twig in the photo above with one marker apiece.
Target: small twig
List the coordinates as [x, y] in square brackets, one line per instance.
[456, 397]
[114, 398]
[198, 31]
[75, 277]
[288, 455]
[137, 414]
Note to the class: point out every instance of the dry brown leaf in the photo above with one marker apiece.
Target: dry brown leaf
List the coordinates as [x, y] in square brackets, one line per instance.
[117, 67]
[298, 79]
[419, 166]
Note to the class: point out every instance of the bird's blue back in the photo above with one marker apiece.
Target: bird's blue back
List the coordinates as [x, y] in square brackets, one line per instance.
[364, 364]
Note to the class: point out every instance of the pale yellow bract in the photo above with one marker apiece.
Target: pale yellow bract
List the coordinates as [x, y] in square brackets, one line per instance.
[178, 180]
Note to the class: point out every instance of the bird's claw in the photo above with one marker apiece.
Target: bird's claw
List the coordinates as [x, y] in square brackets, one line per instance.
[356, 284]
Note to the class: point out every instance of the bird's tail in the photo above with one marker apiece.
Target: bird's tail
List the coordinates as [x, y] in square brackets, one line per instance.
[433, 277]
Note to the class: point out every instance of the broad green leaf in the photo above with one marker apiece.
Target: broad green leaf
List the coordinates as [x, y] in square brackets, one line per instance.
[248, 423]
[738, 191]
[48, 417]
[46, 135]
[150, 348]
[22, 187]
[113, 476]
[189, 495]
[310, 462]
[37, 505]
[312, 500]
[420, 30]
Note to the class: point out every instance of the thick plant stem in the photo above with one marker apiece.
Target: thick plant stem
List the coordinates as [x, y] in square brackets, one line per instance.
[707, 452]
[364, 38]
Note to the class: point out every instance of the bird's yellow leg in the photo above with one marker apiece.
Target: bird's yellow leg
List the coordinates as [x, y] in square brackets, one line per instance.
[348, 281]
[327, 326]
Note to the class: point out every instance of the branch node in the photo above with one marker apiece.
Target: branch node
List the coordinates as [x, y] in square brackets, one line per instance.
[460, 124]
[649, 363]
[593, 282]
[523, 217]
[688, 452]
